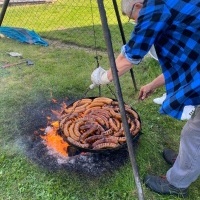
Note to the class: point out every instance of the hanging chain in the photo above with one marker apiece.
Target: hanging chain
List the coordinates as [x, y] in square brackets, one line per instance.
[98, 57]
[94, 34]
[111, 91]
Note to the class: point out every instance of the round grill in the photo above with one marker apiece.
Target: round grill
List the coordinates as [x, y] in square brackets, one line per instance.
[94, 124]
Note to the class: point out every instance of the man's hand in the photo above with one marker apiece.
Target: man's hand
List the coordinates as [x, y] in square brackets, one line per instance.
[99, 77]
[146, 91]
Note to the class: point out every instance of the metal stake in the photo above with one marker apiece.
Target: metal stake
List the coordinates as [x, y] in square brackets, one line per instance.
[107, 37]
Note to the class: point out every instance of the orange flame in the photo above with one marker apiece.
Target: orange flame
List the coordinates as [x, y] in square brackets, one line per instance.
[53, 140]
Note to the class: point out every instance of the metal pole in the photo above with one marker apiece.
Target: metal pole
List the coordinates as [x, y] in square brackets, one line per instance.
[107, 37]
[3, 10]
[123, 37]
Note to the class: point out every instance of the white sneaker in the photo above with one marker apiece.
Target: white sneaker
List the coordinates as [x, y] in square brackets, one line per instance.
[187, 112]
[160, 100]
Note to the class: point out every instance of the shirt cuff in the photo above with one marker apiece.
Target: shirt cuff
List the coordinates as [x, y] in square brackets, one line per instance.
[131, 60]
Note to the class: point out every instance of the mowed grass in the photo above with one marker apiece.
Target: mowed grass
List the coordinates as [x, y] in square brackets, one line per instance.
[57, 74]
[62, 72]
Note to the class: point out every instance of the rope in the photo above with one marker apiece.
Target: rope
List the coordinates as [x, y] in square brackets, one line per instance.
[97, 57]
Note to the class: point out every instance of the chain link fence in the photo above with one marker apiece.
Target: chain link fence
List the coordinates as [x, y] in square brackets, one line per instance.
[70, 21]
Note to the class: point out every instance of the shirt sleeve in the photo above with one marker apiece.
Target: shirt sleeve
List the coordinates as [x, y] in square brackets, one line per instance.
[153, 20]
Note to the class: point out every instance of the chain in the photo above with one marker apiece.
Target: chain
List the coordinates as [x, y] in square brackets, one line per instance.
[97, 58]
[111, 91]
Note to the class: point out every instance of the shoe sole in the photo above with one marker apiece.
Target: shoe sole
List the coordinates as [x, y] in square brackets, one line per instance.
[182, 195]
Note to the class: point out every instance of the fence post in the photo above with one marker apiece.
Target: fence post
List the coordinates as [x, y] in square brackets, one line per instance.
[3, 10]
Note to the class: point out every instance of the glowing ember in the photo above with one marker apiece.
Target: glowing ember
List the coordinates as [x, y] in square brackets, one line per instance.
[53, 140]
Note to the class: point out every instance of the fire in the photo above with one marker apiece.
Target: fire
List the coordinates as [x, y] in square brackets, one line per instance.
[53, 140]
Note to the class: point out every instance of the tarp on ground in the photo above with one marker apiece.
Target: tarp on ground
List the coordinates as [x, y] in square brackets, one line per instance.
[23, 35]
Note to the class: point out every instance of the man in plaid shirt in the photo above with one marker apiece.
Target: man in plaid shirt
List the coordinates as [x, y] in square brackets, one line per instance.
[173, 27]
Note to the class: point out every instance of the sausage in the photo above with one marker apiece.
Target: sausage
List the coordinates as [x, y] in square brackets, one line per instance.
[100, 128]
[122, 139]
[93, 138]
[107, 132]
[106, 146]
[114, 139]
[132, 112]
[104, 100]
[66, 128]
[103, 112]
[88, 132]
[97, 119]
[75, 110]
[115, 114]
[133, 127]
[106, 140]
[91, 109]
[78, 144]
[67, 117]
[115, 103]
[100, 119]
[113, 125]
[137, 129]
[71, 132]
[84, 127]
[95, 104]
[82, 102]
[76, 128]
[119, 133]
[117, 122]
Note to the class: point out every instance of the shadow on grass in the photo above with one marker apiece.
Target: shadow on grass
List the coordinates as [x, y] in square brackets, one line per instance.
[89, 36]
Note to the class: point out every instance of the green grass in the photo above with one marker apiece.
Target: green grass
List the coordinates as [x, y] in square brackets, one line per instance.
[76, 22]
[60, 72]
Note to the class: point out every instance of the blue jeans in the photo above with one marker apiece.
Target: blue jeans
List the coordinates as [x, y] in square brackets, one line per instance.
[186, 168]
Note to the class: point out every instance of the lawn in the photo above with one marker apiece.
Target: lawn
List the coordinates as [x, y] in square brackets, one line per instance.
[63, 73]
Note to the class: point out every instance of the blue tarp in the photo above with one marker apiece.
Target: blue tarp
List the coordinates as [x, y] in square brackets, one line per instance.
[23, 35]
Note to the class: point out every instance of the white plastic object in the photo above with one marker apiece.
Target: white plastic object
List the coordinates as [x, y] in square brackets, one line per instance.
[14, 54]
[160, 100]
[92, 86]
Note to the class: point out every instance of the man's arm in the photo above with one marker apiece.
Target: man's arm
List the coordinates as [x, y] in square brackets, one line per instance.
[101, 77]
[122, 64]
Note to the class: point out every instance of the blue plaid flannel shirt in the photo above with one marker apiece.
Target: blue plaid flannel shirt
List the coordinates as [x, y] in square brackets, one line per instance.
[173, 26]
